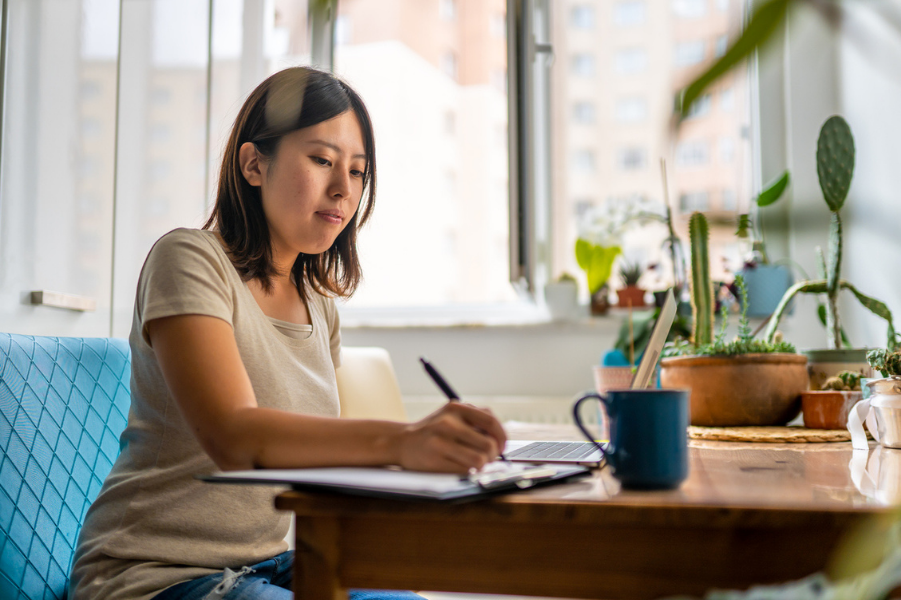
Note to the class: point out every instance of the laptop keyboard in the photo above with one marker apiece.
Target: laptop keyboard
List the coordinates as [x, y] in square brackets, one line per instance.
[554, 451]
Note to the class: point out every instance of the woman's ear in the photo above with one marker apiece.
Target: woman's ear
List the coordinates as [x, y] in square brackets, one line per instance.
[251, 165]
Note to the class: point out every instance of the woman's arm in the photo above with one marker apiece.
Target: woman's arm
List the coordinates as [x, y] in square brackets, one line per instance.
[203, 370]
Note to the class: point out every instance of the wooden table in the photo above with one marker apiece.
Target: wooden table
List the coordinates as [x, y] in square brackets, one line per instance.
[748, 514]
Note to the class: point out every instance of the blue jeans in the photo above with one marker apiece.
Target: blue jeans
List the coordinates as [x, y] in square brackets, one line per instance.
[268, 580]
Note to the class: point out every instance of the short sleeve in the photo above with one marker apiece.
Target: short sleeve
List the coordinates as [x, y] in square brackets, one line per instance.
[334, 330]
[184, 274]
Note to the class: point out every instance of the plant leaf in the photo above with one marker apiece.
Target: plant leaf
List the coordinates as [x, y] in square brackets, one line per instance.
[583, 253]
[773, 191]
[601, 266]
[760, 27]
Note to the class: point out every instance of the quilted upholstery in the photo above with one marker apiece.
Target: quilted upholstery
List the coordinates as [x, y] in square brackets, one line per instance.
[63, 404]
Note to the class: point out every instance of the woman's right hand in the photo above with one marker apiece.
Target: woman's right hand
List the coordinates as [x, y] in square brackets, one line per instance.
[454, 439]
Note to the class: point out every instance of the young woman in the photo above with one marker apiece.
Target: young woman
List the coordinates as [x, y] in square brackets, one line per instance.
[234, 346]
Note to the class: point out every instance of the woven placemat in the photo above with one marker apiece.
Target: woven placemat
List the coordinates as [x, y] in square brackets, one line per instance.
[768, 434]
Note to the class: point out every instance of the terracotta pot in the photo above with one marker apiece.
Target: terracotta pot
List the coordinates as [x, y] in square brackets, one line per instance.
[630, 296]
[828, 409]
[824, 363]
[750, 389]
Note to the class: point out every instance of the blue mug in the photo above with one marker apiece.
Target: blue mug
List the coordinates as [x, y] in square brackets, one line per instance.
[648, 447]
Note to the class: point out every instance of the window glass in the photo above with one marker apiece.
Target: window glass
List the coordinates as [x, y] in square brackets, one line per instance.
[639, 71]
[583, 65]
[584, 112]
[629, 13]
[629, 61]
[439, 233]
[582, 17]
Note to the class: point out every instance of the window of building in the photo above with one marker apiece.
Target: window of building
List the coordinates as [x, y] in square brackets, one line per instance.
[447, 9]
[689, 53]
[631, 159]
[584, 112]
[727, 149]
[721, 45]
[690, 9]
[581, 17]
[498, 25]
[692, 153]
[729, 203]
[631, 110]
[583, 65]
[630, 13]
[630, 61]
[160, 96]
[449, 64]
[727, 100]
[159, 133]
[692, 201]
[90, 128]
[700, 107]
[584, 161]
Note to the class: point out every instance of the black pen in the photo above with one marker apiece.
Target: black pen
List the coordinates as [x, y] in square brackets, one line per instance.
[445, 387]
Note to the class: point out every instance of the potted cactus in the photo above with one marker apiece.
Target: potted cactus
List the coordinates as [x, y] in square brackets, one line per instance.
[835, 167]
[745, 381]
[561, 297]
[630, 295]
[829, 406]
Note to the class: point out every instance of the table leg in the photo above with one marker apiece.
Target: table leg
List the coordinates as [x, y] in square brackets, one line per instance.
[316, 559]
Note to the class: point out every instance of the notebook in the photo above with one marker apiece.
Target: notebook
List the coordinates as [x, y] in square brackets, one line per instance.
[497, 477]
[586, 453]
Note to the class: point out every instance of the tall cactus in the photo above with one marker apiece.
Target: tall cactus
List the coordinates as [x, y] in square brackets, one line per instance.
[702, 304]
[835, 167]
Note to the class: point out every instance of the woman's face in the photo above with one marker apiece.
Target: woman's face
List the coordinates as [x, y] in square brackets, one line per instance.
[313, 185]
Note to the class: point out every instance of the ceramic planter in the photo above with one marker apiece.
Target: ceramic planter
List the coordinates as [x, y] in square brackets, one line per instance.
[749, 389]
[824, 363]
[600, 301]
[630, 296]
[828, 409]
[766, 285]
[561, 298]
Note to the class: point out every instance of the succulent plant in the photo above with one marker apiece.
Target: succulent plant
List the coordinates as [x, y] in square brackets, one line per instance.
[835, 166]
[843, 381]
[630, 273]
[888, 363]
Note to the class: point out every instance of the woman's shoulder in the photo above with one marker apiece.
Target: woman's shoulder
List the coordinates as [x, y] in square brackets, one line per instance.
[178, 242]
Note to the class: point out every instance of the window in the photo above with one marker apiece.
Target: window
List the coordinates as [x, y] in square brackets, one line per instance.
[692, 153]
[447, 9]
[727, 100]
[689, 53]
[343, 30]
[727, 149]
[583, 65]
[498, 25]
[690, 9]
[630, 61]
[721, 45]
[582, 17]
[629, 13]
[631, 110]
[584, 112]
[583, 161]
[631, 159]
[159, 133]
[692, 201]
[728, 203]
[700, 107]
[90, 128]
[449, 64]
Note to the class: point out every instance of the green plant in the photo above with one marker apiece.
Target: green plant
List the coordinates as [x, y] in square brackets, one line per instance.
[702, 341]
[596, 261]
[887, 362]
[835, 167]
[746, 228]
[630, 272]
[566, 278]
[843, 381]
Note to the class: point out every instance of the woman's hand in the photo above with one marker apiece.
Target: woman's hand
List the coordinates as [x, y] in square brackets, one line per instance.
[454, 439]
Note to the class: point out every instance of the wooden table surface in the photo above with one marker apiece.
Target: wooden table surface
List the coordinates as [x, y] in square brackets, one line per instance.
[748, 514]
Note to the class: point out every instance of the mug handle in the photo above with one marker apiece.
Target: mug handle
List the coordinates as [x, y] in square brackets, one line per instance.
[582, 428]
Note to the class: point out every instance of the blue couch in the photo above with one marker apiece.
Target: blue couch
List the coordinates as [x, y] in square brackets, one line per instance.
[63, 404]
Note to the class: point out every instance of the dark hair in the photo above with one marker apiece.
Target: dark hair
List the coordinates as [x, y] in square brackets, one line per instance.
[287, 101]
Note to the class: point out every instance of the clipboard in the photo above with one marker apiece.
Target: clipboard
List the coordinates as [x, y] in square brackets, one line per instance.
[496, 478]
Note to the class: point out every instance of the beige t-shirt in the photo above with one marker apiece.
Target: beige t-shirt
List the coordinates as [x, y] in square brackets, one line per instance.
[153, 524]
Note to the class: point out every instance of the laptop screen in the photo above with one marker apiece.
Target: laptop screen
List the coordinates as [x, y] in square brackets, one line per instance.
[661, 329]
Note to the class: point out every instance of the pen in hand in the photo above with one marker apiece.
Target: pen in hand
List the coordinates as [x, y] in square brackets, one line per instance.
[445, 387]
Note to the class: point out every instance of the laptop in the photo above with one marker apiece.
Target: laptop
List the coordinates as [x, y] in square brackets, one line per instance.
[555, 451]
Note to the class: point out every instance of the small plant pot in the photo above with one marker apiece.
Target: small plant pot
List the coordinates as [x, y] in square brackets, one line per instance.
[561, 298]
[630, 296]
[766, 284]
[828, 409]
[600, 301]
[824, 363]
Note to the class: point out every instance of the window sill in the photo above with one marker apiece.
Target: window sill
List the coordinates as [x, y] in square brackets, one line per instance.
[481, 316]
